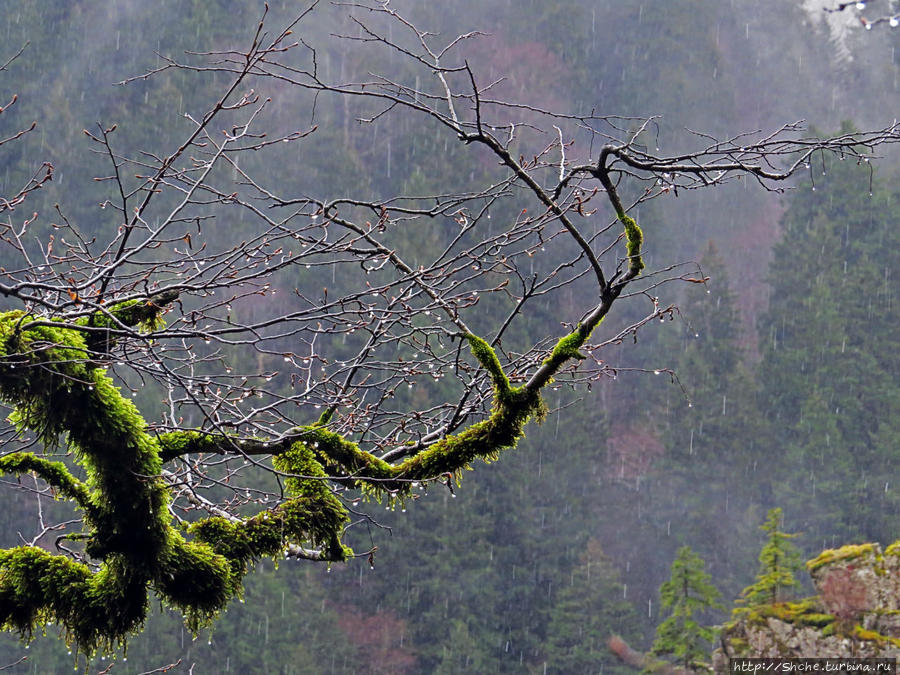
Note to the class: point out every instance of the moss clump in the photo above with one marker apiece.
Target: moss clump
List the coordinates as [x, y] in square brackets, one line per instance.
[567, 347]
[893, 549]
[314, 513]
[95, 609]
[739, 646]
[831, 555]
[805, 612]
[180, 443]
[873, 636]
[634, 239]
[487, 357]
[145, 313]
[196, 580]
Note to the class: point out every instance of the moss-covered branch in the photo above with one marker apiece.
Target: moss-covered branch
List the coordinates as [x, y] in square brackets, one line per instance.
[53, 473]
[634, 237]
[47, 374]
[488, 360]
[345, 462]
[143, 312]
[180, 443]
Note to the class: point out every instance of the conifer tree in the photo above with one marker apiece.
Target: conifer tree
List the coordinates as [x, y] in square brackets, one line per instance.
[829, 367]
[687, 594]
[778, 560]
[588, 610]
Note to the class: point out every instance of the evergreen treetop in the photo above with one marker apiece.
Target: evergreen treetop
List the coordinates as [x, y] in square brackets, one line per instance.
[686, 595]
[778, 560]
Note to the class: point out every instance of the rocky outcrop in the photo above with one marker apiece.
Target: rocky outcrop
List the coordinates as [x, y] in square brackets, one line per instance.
[856, 613]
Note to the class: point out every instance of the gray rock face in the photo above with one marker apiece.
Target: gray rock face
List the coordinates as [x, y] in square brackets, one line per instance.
[856, 613]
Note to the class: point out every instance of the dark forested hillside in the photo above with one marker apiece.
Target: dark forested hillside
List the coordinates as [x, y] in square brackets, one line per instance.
[771, 383]
[829, 370]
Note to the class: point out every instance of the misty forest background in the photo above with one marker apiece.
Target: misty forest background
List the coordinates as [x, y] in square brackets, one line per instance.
[788, 359]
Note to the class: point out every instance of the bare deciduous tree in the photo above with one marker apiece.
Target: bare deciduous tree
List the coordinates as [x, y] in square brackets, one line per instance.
[377, 369]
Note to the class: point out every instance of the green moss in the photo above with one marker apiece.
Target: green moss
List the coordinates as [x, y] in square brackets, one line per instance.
[893, 549]
[805, 613]
[179, 443]
[872, 636]
[634, 239]
[513, 408]
[483, 440]
[194, 579]
[345, 462]
[844, 553]
[325, 417]
[95, 609]
[739, 646]
[568, 346]
[53, 473]
[145, 313]
[47, 374]
[140, 312]
[487, 357]
[341, 457]
[814, 619]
